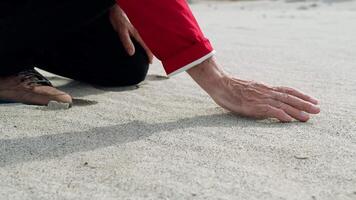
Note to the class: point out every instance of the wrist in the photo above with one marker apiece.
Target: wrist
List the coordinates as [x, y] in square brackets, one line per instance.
[209, 75]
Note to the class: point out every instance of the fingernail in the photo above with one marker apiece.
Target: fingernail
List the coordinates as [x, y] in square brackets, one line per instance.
[304, 115]
[315, 101]
[132, 52]
[317, 110]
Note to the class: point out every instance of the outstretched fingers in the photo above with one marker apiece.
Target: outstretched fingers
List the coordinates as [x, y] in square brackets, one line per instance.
[277, 113]
[297, 93]
[296, 102]
[291, 111]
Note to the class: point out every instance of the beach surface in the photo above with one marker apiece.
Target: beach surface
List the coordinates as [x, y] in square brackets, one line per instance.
[166, 139]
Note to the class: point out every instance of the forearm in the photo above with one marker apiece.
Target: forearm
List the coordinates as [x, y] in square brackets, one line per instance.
[209, 75]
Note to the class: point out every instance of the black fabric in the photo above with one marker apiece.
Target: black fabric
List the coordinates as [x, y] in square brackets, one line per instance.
[70, 38]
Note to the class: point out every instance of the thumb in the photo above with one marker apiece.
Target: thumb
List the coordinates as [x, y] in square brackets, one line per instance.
[127, 43]
[149, 53]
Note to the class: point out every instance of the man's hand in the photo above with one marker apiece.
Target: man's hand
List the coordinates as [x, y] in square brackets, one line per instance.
[125, 30]
[252, 99]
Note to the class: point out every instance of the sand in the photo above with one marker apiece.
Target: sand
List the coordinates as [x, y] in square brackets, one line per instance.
[165, 139]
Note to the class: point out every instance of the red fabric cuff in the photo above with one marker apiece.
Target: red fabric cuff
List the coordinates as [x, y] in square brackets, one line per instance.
[169, 29]
[187, 56]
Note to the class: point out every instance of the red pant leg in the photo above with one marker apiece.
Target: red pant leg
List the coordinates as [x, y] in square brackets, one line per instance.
[170, 30]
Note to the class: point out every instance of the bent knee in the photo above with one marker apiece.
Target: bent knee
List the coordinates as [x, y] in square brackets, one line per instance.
[122, 71]
[131, 73]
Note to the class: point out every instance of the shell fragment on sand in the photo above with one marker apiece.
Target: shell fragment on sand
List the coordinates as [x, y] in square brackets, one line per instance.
[54, 105]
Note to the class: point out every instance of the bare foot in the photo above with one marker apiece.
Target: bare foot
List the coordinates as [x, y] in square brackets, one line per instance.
[30, 87]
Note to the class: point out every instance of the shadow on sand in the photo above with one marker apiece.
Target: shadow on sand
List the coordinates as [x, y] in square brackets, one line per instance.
[22, 150]
[80, 90]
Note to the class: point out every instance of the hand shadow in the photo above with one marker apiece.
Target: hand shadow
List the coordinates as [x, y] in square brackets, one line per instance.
[80, 89]
[28, 149]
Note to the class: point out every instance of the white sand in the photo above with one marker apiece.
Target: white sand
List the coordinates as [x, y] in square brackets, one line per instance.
[168, 140]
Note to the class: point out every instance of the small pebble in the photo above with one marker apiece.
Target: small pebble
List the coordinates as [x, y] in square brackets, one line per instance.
[301, 157]
[54, 105]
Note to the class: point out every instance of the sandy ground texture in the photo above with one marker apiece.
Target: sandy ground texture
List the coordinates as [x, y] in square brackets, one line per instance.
[165, 139]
